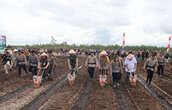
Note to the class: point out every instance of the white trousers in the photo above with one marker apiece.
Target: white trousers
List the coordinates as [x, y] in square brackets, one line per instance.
[7, 66]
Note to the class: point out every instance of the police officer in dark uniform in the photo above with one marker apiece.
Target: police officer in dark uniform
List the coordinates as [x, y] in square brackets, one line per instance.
[33, 62]
[21, 62]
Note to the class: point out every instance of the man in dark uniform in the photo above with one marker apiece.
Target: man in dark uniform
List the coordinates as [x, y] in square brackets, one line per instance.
[33, 62]
[21, 62]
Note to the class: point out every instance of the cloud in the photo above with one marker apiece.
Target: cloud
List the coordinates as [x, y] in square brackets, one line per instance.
[145, 22]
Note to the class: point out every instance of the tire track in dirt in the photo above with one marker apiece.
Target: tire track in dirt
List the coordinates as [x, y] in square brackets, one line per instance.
[159, 88]
[18, 91]
[67, 95]
[64, 98]
[143, 98]
[102, 98]
[124, 98]
[27, 96]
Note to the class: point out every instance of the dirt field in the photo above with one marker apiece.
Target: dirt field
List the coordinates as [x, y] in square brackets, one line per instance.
[85, 94]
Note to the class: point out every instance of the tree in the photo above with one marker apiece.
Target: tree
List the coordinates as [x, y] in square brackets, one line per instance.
[53, 41]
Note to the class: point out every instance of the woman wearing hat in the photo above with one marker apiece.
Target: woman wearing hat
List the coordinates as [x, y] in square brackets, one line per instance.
[104, 67]
[116, 69]
[72, 62]
[130, 65]
[43, 64]
[150, 67]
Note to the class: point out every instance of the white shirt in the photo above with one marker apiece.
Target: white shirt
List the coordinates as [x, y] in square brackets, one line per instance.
[130, 64]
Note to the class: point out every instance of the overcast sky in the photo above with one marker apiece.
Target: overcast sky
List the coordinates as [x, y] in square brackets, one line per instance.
[146, 22]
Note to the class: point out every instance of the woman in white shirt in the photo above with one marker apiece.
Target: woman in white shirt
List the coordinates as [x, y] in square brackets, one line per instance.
[130, 65]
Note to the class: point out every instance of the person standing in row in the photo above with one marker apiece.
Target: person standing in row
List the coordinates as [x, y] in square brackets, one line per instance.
[33, 63]
[21, 62]
[51, 59]
[104, 67]
[143, 56]
[72, 62]
[150, 66]
[116, 70]
[43, 65]
[7, 61]
[14, 57]
[91, 63]
[130, 66]
[161, 64]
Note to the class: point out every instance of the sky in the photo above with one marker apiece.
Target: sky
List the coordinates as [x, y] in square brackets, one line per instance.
[28, 22]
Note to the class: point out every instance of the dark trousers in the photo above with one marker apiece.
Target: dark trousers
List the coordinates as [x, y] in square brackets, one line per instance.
[149, 76]
[143, 58]
[72, 71]
[50, 68]
[116, 77]
[160, 69]
[127, 76]
[103, 71]
[91, 71]
[20, 68]
[43, 72]
[33, 69]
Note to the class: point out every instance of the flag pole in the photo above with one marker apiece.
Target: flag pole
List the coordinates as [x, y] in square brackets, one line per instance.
[123, 40]
[168, 48]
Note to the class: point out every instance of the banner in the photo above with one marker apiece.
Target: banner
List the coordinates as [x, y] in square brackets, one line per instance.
[2, 43]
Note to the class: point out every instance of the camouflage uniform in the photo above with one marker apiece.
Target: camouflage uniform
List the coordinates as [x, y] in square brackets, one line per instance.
[33, 64]
[21, 63]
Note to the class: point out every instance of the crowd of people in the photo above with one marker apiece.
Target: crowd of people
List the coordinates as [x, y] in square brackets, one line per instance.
[114, 63]
[31, 61]
[121, 63]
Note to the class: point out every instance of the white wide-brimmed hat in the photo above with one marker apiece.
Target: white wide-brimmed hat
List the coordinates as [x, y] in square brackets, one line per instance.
[103, 52]
[72, 51]
[130, 56]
